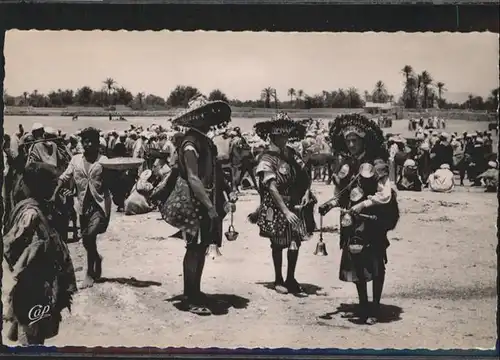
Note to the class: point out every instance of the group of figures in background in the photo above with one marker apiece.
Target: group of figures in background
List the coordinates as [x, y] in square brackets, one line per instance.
[192, 173]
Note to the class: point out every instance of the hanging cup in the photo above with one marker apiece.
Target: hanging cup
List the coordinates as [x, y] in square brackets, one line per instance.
[231, 234]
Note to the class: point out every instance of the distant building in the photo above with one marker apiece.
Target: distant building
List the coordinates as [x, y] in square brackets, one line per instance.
[384, 109]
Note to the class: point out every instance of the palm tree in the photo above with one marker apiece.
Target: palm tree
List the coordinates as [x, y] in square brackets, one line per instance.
[409, 85]
[407, 71]
[352, 97]
[110, 85]
[25, 95]
[380, 93]
[140, 97]
[492, 100]
[300, 94]
[266, 95]
[441, 89]
[419, 88]
[471, 97]
[274, 94]
[291, 93]
[426, 82]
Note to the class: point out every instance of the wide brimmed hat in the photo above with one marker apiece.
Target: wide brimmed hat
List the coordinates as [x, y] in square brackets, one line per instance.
[50, 131]
[203, 113]
[280, 124]
[360, 125]
[37, 126]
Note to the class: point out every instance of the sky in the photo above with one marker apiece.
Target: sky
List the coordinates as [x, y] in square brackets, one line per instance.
[241, 64]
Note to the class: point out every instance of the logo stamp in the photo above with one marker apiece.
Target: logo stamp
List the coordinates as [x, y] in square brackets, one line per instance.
[38, 312]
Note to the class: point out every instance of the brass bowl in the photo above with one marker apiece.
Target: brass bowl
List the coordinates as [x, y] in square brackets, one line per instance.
[231, 234]
[355, 245]
[355, 248]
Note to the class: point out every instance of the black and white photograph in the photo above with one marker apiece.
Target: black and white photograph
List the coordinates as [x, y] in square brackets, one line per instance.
[250, 189]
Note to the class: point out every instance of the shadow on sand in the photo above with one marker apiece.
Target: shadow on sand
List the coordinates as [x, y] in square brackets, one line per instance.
[129, 281]
[218, 304]
[309, 289]
[388, 313]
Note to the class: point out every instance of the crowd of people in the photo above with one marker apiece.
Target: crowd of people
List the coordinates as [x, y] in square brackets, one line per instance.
[192, 172]
[434, 157]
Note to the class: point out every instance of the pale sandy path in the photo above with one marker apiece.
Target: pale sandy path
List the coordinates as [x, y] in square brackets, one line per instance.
[440, 291]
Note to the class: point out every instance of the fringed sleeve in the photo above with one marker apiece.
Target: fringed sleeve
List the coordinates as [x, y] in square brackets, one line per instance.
[384, 189]
[266, 169]
[190, 147]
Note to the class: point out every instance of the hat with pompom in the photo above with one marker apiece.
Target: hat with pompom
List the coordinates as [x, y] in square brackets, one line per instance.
[202, 113]
[280, 124]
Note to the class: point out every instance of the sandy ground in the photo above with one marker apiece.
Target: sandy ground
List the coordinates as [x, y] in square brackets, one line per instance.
[440, 290]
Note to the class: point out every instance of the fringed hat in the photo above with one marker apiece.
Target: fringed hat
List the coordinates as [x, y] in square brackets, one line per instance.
[280, 124]
[203, 113]
[360, 125]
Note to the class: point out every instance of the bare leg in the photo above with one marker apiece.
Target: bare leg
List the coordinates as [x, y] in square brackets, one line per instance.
[363, 297]
[378, 286]
[279, 284]
[194, 261]
[189, 270]
[91, 247]
[200, 259]
[292, 284]
[74, 221]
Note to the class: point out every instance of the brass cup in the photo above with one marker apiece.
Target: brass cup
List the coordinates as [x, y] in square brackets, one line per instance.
[231, 234]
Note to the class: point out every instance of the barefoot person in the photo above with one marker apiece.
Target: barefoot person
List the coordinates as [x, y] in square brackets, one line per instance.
[39, 262]
[94, 199]
[279, 170]
[359, 142]
[196, 204]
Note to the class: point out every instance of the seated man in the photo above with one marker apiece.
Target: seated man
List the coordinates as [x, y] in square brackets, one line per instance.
[490, 177]
[442, 179]
[137, 202]
[409, 179]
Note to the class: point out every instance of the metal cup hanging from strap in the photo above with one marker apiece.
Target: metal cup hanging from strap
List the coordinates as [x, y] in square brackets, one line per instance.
[231, 233]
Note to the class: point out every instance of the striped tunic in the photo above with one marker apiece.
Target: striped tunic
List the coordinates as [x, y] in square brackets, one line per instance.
[273, 167]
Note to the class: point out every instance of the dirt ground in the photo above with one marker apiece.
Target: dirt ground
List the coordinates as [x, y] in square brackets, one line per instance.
[440, 290]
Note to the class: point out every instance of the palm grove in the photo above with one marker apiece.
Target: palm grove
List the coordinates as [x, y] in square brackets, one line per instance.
[420, 90]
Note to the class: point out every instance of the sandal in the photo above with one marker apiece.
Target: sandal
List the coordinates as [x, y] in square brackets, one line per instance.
[348, 315]
[280, 289]
[294, 287]
[199, 310]
[356, 312]
[371, 320]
